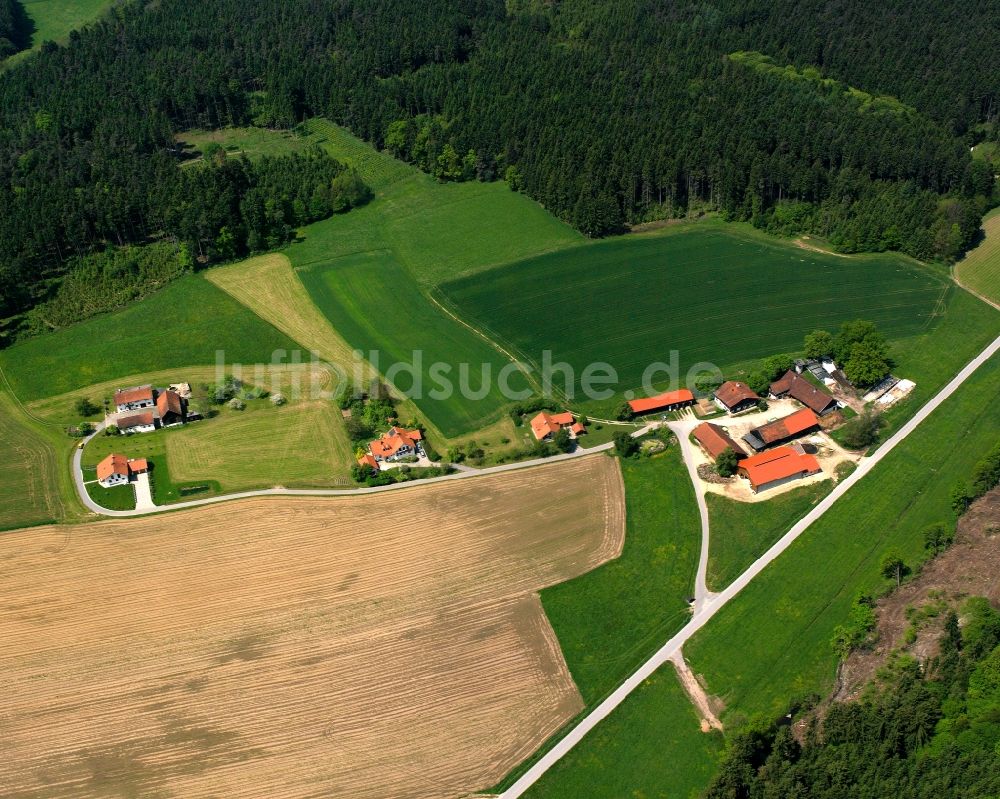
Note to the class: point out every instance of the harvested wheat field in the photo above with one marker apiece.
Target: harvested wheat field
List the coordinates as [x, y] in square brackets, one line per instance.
[383, 646]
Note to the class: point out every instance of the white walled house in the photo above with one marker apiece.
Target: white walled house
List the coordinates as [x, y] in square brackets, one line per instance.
[134, 399]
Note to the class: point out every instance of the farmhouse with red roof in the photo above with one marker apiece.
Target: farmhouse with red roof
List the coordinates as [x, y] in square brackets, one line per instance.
[781, 430]
[144, 422]
[777, 467]
[734, 396]
[715, 440]
[117, 470]
[545, 425]
[668, 401]
[397, 443]
[134, 399]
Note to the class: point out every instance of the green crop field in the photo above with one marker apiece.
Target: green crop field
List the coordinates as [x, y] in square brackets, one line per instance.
[609, 620]
[185, 324]
[29, 472]
[376, 305]
[713, 294]
[740, 532]
[772, 642]
[649, 742]
[980, 269]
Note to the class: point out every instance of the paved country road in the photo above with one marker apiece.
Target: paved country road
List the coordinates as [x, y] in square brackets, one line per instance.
[462, 474]
[715, 603]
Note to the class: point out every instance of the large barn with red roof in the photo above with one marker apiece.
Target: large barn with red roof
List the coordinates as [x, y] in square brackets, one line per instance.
[668, 401]
[776, 467]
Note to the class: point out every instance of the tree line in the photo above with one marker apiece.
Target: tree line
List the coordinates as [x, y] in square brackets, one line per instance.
[608, 114]
[922, 730]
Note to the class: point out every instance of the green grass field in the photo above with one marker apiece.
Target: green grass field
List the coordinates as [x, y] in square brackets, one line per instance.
[649, 742]
[115, 498]
[772, 643]
[714, 294]
[54, 19]
[299, 445]
[610, 620]
[742, 531]
[29, 471]
[980, 269]
[185, 324]
[376, 305]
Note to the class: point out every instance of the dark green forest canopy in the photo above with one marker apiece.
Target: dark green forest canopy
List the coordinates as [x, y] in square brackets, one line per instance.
[607, 113]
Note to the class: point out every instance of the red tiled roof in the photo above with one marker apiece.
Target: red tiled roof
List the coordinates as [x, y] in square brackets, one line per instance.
[797, 387]
[112, 465]
[733, 392]
[661, 401]
[137, 465]
[786, 427]
[545, 424]
[393, 441]
[578, 428]
[168, 402]
[368, 460]
[136, 419]
[124, 396]
[715, 440]
[777, 464]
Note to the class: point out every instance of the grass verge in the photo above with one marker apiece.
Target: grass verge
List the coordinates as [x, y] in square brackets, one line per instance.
[742, 531]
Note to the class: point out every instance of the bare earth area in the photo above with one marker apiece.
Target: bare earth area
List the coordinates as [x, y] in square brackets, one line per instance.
[386, 646]
[827, 451]
[970, 567]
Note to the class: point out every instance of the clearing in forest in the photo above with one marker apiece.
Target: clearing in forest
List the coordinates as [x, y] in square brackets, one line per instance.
[294, 647]
[980, 269]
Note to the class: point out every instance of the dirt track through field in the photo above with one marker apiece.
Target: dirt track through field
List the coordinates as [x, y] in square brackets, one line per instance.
[386, 646]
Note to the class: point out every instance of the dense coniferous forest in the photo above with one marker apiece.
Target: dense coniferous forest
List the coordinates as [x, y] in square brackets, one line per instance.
[850, 120]
[925, 732]
[15, 28]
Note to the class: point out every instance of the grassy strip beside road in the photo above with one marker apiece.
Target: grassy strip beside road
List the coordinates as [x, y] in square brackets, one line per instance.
[781, 625]
[652, 741]
[610, 620]
[742, 531]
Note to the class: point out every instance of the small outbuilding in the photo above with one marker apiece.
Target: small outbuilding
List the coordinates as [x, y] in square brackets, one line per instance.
[137, 423]
[715, 440]
[735, 396]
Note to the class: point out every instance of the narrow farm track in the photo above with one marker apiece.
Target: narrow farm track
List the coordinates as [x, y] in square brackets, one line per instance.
[296, 647]
[716, 603]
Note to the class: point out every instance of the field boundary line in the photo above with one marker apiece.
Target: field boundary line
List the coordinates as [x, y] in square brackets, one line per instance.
[715, 604]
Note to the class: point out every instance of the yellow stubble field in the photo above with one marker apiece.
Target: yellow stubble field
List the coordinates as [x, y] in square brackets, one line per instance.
[390, 645]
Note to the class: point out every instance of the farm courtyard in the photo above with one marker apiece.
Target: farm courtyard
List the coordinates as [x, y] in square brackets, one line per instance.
[299, 647]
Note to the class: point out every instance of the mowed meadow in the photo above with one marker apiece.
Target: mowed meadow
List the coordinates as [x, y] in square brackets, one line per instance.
[713, 293]
[299, 647]
[980, 269]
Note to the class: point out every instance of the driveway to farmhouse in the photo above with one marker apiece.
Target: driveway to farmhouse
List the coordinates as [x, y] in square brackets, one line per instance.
[143, 493]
